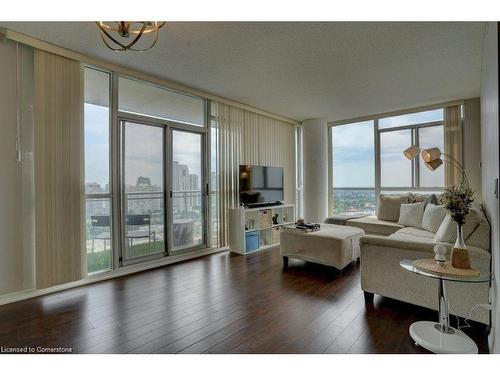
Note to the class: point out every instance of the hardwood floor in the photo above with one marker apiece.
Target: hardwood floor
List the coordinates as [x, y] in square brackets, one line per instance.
[222, 303]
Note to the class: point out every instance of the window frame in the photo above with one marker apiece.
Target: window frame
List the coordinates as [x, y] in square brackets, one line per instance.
[377, 131]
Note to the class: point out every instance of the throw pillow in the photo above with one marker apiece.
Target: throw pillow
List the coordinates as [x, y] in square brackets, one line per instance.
[433, 217]
[447, 231]
[389, 207]
[432, 199]
[417, 198]
[411, 214]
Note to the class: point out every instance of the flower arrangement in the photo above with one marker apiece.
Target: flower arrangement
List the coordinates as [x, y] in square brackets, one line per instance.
[458, 201]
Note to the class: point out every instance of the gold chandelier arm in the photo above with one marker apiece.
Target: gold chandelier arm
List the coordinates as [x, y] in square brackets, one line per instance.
[104, 33]
[134, 41]
[152, 44]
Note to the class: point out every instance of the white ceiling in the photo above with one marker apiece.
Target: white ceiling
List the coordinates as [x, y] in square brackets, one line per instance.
[302, 70]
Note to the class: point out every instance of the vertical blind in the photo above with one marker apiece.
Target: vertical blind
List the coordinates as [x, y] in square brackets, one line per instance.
[59, 169]
[452, 143]
[244, 137]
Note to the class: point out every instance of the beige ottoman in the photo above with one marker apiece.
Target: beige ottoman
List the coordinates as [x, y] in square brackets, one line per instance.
[333, 245]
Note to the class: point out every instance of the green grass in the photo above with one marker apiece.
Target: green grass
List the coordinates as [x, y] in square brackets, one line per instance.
[101, 260]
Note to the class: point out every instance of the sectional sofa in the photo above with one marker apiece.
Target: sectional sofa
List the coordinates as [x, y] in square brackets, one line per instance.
[389, 241]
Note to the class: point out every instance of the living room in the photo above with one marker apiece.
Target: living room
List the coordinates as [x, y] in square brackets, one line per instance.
[269, 187]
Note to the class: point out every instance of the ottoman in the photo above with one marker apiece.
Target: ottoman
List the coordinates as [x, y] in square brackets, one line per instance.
[333, 245]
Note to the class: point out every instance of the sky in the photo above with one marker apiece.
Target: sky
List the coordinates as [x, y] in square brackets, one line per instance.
[353, 151]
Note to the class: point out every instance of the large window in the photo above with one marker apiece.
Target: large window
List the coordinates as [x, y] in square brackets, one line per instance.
[353, 166]
[97, 176]
[152, 201]
[367, 159]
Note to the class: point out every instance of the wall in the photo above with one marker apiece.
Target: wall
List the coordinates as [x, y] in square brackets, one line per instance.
[490, 161]
[472, 144]
[16, 234]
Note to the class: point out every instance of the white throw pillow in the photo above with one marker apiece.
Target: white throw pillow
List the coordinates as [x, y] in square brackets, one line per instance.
[410, 215]
[433, 217]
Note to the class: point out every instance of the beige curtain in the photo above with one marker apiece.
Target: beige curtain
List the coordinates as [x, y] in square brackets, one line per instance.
[244, 137]
[59, 170]
[452, 142]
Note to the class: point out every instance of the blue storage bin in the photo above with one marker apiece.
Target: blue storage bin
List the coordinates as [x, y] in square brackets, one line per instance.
[252, 241]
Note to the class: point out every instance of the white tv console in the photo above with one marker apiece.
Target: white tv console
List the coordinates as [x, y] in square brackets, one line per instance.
[243, 221]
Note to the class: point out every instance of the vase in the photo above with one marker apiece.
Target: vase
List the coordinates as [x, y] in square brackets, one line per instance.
[459, 253]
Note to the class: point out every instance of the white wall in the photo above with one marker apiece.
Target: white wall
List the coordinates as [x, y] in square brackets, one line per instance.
[315, 174]
[16, 251]
[490, 160]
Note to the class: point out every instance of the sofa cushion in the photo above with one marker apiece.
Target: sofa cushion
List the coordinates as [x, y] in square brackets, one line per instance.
[447, 231]
[413, 235]
[372, 225]
[389, 207]
[410, 214]
[433, 217]
[480, 237]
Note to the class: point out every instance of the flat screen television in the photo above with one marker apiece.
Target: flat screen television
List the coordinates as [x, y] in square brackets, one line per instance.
[260, 184]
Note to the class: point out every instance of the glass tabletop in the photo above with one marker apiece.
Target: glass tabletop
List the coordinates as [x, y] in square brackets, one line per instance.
[407, 264]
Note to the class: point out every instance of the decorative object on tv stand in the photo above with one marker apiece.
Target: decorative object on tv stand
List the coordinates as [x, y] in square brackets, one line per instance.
[275, 219]
[115, 35]
[456, 199]
[440, 251]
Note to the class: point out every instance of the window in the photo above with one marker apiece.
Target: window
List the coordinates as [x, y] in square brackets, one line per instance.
[423, 129]
[187, 193]
[157, 205]
[353, 150]
[143, 98]
[97, 186]
[411, 119]
[367, 159]
[432, 136]
[395, 169]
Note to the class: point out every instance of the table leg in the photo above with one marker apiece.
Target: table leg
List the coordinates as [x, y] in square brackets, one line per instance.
[440, 337]
[444, 316]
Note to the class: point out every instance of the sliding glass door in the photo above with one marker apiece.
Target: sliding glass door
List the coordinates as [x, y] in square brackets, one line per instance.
[188, 216]
[143, 191]
[157, 159]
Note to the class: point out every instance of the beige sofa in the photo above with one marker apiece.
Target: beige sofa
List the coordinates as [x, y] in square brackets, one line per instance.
[388, 242]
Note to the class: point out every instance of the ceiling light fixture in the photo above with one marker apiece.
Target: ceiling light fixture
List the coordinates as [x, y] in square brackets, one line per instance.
[125, 30]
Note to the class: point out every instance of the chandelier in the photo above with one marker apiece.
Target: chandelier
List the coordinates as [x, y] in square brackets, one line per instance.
[123, 35]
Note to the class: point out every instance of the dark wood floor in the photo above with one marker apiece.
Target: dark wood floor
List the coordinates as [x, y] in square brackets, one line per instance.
[222, 303]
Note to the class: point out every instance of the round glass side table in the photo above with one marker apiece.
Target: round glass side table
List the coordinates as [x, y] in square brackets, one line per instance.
[440, 337]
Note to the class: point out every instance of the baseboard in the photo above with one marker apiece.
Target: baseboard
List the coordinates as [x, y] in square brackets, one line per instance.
[127, 270]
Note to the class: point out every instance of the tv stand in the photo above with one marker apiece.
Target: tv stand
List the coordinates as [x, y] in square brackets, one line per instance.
[258, 224]
[266, 204]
